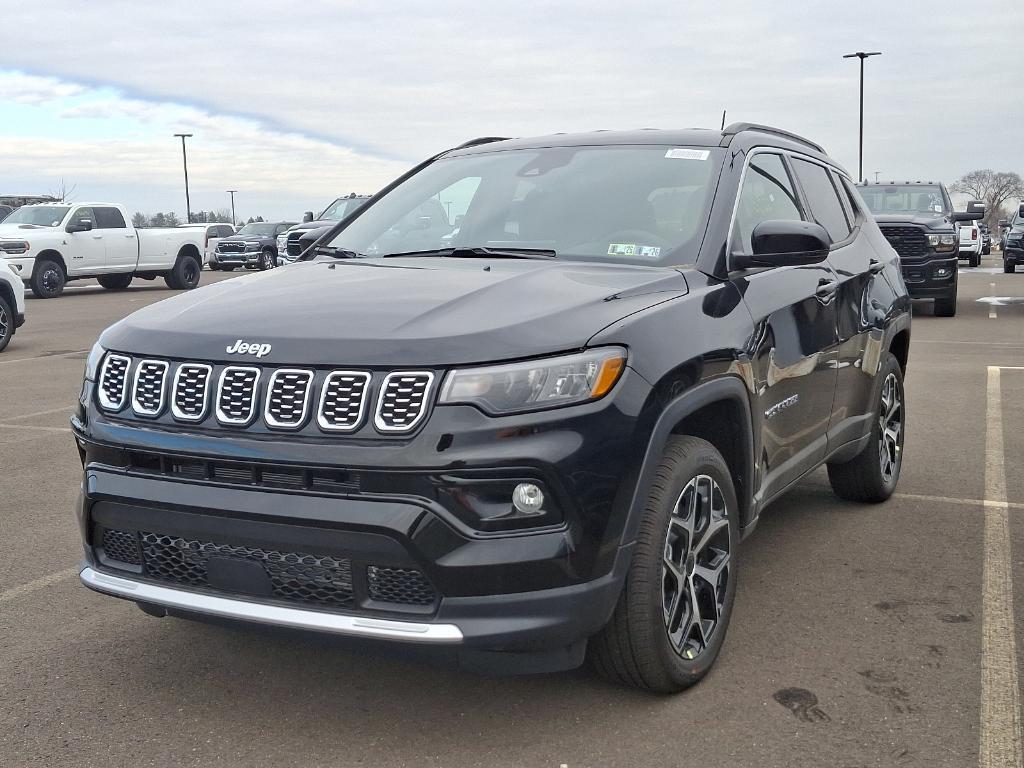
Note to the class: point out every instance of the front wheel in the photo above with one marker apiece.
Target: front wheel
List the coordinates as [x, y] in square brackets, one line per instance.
[946, 306]
[872, 476]
[672, 615]
[184, 276]
[6, 323]
[47, 279]
[1009, 268]
[267, 260]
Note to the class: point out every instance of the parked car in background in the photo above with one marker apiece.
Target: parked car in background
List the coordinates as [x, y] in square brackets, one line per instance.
[212, 235]
[52, 243]
[918, 220]
[537, 438]
[12, 303]
[288, 246]
[1013, 240]
[971, 243]
[253, 246]
[986, 239]
[5, 211]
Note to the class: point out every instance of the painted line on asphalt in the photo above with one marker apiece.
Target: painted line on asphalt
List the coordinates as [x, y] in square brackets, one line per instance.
[1000, 736]
[44, 357]
[956, 500]
[992, 306]
[1001, 344]
[41, 583]
[30, 427]
[63, 408]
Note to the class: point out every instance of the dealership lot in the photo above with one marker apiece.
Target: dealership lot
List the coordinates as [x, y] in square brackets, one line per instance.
[857, 638]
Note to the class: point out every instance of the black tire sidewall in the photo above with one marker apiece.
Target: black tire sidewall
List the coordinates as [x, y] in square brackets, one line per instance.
[42, 266]
[889, 365]
[6, 337]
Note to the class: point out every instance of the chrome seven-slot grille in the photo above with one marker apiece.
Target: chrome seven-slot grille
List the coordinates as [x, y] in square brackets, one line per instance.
[288, 395]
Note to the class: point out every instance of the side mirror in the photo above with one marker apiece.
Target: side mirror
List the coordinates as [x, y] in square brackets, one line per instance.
[307, 216]
[79, 225]
[784, 243]
[1020, 211]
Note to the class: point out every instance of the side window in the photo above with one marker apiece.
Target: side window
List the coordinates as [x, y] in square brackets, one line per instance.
[225, 231]
[81, 214]
[823, 199]
[854, 204]
[109, 218]
[280, 228]
[767, 193]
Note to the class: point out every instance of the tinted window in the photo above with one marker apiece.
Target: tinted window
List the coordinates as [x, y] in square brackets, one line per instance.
[109, 218]
[823, 199]
[856, 204]
[900, 198]
[767, 194]
[81, 214]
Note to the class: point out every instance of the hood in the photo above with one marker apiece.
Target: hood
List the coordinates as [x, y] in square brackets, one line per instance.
[246, 238]
[397, 312]
[926, 220]
[13, 230]
[306, 226]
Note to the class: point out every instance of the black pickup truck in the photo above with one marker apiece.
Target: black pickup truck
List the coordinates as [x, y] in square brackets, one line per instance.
[1013, 241]
[534, 434]
[918, 220]
[292, 243]
[253, 246]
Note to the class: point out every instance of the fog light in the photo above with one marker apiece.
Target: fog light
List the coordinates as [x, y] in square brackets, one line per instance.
[528, 499]
[941, 272]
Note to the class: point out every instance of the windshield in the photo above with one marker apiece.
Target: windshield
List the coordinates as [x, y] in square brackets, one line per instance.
[258, 229]
[622, 204]
[340, 208]
[900, 198]
[40, 215]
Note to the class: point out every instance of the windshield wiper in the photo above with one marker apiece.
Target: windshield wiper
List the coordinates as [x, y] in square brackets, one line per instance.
[481, 252]
[337, 253]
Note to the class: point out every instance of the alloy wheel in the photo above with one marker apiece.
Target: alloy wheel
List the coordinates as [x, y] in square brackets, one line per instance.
[5, 323]
[890, 427]
[695, 567]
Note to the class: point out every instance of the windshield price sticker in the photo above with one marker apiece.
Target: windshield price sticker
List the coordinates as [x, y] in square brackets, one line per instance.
[680, 153]
[632, 249]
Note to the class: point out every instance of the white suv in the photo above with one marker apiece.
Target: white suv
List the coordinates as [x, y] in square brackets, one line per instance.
[12, 303]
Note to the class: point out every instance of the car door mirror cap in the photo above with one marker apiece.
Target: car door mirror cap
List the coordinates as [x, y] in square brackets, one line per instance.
[785, 243]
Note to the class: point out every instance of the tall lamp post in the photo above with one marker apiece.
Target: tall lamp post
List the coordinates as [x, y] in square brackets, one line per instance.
[234, 221]
[860, 155]
[184, 159]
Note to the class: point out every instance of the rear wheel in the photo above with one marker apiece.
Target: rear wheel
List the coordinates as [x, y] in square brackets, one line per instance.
[48, 279]
[672, 615]
[872, 476]
[946, 306]
[974, 259]
[184, 276]
[6, 323]
[1009, 267]
[115, 282]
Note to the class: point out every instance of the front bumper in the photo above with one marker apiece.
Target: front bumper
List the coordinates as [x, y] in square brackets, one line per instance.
[930, 277]
[22, 266]
[247, 258]
[1013, 253]
[525, 591]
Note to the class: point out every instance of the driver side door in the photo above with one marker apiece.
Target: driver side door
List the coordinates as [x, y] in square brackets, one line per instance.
[87, 251]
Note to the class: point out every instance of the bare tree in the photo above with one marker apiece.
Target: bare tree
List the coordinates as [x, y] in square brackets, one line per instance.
[994, 188]
[140, 220]
[64, 193]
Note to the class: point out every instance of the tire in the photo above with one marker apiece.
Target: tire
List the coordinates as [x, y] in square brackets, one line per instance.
[873, 475]
[48, 279]
[267, 260]
[6, 323]
[973, 260]
[1009, 268]
[213, 267]
[651, 641]
[185, 274]
[946, 306]
[115, 282]
[227, 269]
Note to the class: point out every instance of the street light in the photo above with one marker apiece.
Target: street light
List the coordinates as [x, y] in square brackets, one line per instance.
[234, 221]
[860, 155]
[184, 159]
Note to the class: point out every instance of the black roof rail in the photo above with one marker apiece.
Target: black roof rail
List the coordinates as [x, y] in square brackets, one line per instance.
[734, 128]
[481, 140]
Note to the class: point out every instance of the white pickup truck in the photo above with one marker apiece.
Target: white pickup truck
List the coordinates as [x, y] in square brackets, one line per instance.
[51, 243]
[971, 243]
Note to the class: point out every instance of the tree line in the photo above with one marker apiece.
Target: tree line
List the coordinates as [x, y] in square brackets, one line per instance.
[142, 220]
[994, 188]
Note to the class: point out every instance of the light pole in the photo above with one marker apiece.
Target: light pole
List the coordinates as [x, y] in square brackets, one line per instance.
[184, 159]
[234, 221]
[860, 155]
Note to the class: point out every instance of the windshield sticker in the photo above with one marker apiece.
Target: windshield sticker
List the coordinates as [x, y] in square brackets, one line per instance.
[632, 249]
[678, 153]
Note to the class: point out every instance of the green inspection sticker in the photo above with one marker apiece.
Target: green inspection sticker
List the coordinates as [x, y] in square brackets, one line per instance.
[632, 249]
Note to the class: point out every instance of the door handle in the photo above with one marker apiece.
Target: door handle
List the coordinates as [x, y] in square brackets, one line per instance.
[876, 266]
[826, 290]
[130, 237]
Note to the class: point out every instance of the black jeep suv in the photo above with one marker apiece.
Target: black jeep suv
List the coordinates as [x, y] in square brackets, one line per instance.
[538, 434]
[918, 220]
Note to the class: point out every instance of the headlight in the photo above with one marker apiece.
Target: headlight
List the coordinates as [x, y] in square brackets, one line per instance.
[1015, 236]
[14, 247]
[942, 242]
[536, 384]
[92, 362]
[282, 242]
[252, 246]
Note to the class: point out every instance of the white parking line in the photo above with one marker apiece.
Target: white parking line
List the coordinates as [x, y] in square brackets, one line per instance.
[1000, 737]
[31, 427]
[43, 357]
[40, 583]
[992, 307]
[63, 408]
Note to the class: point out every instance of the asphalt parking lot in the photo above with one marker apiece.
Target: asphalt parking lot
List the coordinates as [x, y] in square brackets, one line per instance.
[862, 635]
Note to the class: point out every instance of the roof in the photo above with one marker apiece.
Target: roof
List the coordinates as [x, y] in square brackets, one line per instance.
[896, 183]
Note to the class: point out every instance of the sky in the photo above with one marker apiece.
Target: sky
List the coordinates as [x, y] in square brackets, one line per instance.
[293, 104]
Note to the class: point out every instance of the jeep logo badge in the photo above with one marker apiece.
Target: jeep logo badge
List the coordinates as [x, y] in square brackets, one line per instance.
[248, 348]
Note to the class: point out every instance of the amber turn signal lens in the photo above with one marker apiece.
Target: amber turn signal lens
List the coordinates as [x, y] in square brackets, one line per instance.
[610, 371]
